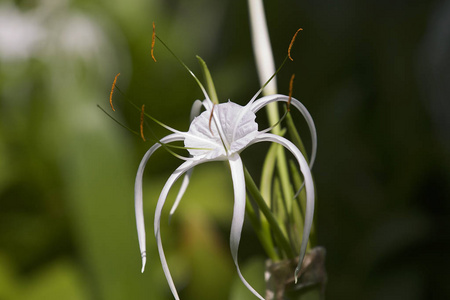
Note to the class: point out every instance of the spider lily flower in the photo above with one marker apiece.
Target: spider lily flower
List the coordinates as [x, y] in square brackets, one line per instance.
[220, 133]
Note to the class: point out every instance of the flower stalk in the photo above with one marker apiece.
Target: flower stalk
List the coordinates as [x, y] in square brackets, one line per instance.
[292, 211]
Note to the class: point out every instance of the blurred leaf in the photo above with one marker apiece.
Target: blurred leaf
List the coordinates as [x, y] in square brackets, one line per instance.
[210, 266]
[253, 271]
[9, 286]
[59, 280]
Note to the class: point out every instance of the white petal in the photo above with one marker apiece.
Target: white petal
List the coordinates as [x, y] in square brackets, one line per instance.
[139, 211]
[223, 131]
[180, 194]
[260, 103]
[207, 104]
[214, 123]
[202, 136]
[308, 184]
[195, 111]
[237, 174]
[186, 166]
[238, 131]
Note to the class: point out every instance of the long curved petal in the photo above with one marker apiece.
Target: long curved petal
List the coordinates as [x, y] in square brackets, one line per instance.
[237, 174]
[261, 102]
[138, 206]
[183, 188]
[195, 111]
[184, 167]
[304, 168]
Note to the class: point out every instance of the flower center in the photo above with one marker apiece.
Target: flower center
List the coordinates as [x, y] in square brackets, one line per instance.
[227, 131]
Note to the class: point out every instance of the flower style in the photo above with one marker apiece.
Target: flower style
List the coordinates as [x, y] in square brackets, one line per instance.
[221, 132]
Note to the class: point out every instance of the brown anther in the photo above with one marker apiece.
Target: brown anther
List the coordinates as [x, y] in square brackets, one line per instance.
[112, 90]
[142, 122]
[291, 83]
[153, 41]
[292, 43]
[210, 119]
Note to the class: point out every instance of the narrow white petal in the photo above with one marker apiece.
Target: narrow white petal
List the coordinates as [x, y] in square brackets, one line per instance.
[186, 166]
[304, 168]
[207, 104]
[195, 109]
[138, 206]
[180, 194]
[237, 174]
[260, 103]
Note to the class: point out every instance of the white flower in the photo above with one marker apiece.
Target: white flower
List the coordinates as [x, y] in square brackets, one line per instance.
[221, 132]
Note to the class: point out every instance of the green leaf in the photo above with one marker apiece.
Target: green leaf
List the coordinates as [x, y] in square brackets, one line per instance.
[280, 237]
[209, 81]
[295, 136]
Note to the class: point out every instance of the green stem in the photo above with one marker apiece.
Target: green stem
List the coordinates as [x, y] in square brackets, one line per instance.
[262, 229]
[267, 174]
[273, 223]
[283, 174]
[301, 203]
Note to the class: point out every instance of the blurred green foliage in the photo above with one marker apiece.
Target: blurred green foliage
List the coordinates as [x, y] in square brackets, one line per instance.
[373, 74]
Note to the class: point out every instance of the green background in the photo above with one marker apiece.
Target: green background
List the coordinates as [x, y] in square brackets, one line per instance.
[374, 74]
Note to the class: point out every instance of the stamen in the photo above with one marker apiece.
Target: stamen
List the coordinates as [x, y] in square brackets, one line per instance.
[142, 122]
[292, 43]
[210, 118]
[153, 42]
[291, 83]
[112, 90]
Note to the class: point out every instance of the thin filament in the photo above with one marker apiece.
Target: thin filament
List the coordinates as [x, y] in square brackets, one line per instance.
[276, 124]
[124, 126]
[146, 114]
[186, 67]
